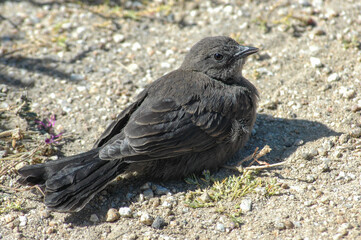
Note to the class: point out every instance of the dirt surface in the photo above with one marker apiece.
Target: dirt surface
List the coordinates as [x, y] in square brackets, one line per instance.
[84, 62]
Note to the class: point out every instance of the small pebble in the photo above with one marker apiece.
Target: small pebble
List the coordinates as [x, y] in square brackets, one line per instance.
[169, 212]
[146, 219]
[50, 230]
[246, 205]
[356, 108]
[337, 236]
[167, 204]
[205, 197]
[347, 92]
[158, 223]
[118, 38]
[133, 67]
[165, 65]
[148, 194]
[310, 178]
[304, 3]
[52, 223]
[298, 142]
[94, 218]
[125, 212]
[136, 46]
[337, 154]
[356, 133]
[316, 62]
[220, 227]
[344, 138]
[297, 224]
[325, 168]
[159, 190]
[112, 215]
[280, 225]
[23, 221]
[76, 77]
[289, 224]
[146, 186]
[155, 202]
[141, 197]
[333, 77]
[306, 156]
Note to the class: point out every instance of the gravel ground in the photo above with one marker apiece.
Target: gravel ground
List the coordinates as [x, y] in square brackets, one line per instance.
[86, 62]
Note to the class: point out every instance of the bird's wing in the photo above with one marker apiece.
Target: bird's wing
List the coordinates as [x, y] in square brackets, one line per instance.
[166, 129]
[118, 124]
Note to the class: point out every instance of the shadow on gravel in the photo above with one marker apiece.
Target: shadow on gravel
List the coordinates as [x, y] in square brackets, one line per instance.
[45, 66]
[284, 136]
[39, 65]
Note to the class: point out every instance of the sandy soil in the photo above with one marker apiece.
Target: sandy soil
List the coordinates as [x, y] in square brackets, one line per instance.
[84, 62]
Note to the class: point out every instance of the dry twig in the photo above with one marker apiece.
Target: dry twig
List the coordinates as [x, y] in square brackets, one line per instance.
[255, 156]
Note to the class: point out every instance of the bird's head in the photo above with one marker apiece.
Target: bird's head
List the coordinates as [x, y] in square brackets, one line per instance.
[220, 58]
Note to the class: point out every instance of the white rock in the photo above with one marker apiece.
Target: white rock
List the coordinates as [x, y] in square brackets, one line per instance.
[228, 9]
[166, 204]
[146, 219]
[125, 212]
[169, 53]
[52, 95]
[165, 65]
[81, 88]
[314, 50]
[66, 25]
[243, 25]
[316, 62]
[23, 220]
[220, 227]
[333, 77]
[347, 92]
[246, 205]
[136, 46]
[133, 67]
[117, 38]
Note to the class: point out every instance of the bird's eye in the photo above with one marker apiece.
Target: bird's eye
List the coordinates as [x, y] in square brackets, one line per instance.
[218, 56]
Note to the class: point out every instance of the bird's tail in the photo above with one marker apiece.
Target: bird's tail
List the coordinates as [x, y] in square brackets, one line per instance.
[70, 183]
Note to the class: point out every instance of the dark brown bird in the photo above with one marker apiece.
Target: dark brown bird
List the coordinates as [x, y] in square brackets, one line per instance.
[194, 118]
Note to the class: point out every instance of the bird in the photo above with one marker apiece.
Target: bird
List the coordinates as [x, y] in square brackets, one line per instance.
[192, 119]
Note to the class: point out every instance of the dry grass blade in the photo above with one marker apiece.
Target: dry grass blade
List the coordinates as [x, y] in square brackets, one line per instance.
[264, 166]
[19, 158]
[9, 133]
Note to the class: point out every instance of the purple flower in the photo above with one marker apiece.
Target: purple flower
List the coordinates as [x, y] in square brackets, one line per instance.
[48, 126]
[53, 138]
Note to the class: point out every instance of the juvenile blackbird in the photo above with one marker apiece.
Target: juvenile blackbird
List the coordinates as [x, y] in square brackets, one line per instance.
[194, 118]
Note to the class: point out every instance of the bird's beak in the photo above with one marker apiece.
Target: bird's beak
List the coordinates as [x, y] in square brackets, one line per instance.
[245, 51]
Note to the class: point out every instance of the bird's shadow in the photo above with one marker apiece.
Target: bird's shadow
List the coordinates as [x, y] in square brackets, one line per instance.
[284, 136]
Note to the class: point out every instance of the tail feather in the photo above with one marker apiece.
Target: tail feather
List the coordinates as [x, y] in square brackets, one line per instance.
[70, 183]
[73, 191]
[39, 173]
